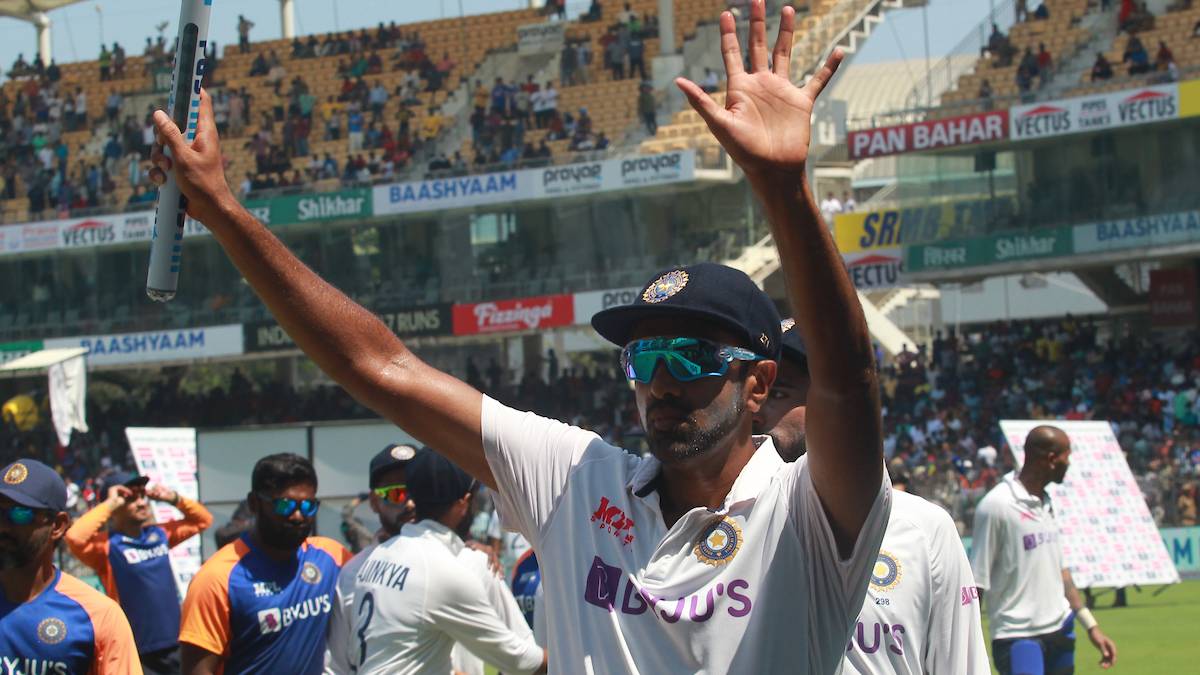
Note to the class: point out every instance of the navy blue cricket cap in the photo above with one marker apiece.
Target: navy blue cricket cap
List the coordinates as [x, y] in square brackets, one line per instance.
[793, 344]
[30, 483]
[125, 478]
[434, 480]
[392, 456]
[706, 291]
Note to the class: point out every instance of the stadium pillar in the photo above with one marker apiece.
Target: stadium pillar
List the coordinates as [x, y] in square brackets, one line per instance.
[42, 23]
[666, 26]
[287, 18]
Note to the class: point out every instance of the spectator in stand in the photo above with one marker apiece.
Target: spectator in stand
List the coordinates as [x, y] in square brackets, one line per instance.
[118, 61]
[550, 99]
[1135, 55]
[637, 56]
[1196, 29]
[1163, 57]
[378, 99]
[985, 94]
[1042, 12]
[583, 60]
[1026, 71]
[830, 208]
[999, 48]
[594, 13]
[243, 29]
[499, 97]
[1101, 69]
[614, 56]
[355, 129]
[648, 109]
[105, 64]
[626, 15]
[711, 84]
[568, 63]
[53, 72]
[480, 97]
[1044, 63]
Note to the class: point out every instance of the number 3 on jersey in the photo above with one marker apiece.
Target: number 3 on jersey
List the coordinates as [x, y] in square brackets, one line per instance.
[368, 606]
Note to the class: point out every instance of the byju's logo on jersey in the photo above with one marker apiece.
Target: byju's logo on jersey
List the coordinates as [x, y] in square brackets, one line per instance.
[887, 572]
[603, 588]
[276, 619]
[613, 519]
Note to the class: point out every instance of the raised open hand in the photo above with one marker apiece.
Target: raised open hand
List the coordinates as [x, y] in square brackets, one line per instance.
[765, 124]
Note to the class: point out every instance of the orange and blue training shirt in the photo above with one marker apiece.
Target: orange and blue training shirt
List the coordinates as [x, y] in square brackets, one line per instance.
[262, 615]
[68, 629]
[136, 571]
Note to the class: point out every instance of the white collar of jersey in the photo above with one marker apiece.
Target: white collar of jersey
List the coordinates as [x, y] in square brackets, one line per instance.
[761, 467]
[432, 529]
[1021, 494]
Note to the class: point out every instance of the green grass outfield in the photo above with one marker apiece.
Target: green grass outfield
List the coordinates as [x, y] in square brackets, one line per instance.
[1155, 634]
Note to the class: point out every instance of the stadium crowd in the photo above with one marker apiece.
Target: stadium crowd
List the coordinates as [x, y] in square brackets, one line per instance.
[942, 405]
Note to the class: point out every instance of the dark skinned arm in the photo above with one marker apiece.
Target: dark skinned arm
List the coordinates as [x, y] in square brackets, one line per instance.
[344, 339]
[764, 127]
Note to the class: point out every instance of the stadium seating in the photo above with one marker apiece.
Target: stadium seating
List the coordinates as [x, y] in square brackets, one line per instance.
[611, 104]
[1173, 28]
[1061, 34]
[687, 130]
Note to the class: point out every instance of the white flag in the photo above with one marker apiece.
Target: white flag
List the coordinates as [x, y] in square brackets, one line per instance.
[68, 387]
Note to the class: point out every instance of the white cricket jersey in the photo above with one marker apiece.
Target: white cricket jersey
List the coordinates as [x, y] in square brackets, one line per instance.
[410, 600]
[921, 613]
[755, 586]
[501, 599]
[1017, 559]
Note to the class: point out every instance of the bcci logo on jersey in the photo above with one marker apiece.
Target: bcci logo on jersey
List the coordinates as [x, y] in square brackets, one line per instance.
[887, 572]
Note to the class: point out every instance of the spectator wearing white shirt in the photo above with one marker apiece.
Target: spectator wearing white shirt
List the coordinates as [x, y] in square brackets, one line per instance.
[830, 208]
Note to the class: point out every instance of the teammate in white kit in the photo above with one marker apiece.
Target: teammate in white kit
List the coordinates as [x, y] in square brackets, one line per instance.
[921, 614]
[413, 596]
[1032, 603]
[713, 555]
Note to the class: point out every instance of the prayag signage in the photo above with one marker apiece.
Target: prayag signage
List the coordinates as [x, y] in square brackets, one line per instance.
[423, 321]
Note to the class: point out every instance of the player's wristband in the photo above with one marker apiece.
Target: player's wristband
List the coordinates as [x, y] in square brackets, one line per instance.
[1084, 616]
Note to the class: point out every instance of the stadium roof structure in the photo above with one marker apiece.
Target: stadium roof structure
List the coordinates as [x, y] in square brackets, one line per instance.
[875, 88]
[26, 9]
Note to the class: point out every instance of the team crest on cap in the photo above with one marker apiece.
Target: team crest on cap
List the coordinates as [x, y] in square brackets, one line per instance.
[403, 453]
[52, 631]
[311, 574]
[886, 573]
[719, 542]
[786, 325]
[16, 474]
[665, 286]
